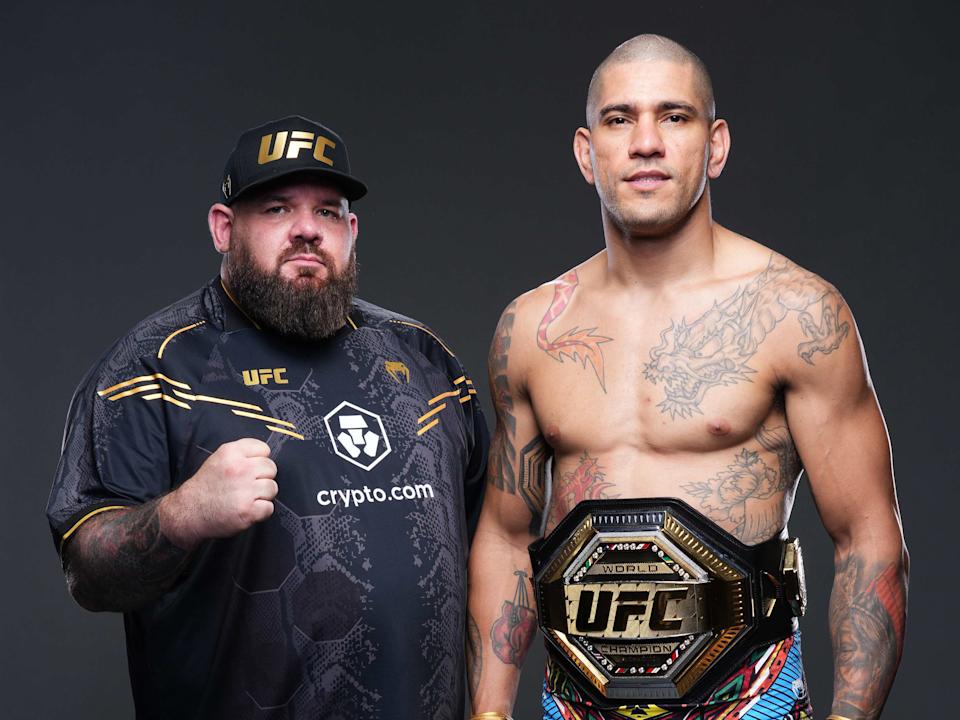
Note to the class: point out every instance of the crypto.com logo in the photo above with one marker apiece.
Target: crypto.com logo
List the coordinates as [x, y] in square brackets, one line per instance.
[357, 435]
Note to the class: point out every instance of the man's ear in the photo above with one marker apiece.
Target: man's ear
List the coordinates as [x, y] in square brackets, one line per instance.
[354, 227]
[581, 152]
[719, 148]
[220, 221]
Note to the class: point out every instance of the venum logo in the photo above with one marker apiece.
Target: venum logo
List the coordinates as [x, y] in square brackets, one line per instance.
[357, 435]
[398, 371]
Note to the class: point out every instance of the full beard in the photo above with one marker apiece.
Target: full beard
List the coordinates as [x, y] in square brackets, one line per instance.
[300, 308]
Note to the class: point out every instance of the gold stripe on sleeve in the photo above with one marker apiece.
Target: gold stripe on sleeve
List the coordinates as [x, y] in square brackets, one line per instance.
[426, 427]
[220, 401]
[163, 396]
[86, 517]
[265, 418]
[140, 379]
[134, 391]
[433, 412]
[285, 432]
[441, 396]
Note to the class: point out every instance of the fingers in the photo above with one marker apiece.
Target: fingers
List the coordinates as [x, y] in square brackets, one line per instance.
[261, 510]
[264, 467]
[265, 489]
[250, 447]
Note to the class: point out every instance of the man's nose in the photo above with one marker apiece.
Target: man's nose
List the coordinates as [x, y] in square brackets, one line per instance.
[306, 228]
[645, 140]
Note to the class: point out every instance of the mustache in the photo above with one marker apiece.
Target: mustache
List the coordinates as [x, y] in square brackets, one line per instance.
[308, 249]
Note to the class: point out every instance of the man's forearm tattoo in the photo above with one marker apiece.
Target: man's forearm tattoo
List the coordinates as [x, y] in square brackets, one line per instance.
[512, 632]
[501, 472]
[731, 497]
[120, 560]
[474, 655]
[867, 615]
[575, 343]
[713, 350]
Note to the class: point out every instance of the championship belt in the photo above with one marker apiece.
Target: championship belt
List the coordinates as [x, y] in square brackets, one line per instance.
[650, 600]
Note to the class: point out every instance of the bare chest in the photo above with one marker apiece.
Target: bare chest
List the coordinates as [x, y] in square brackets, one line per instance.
[651, 385]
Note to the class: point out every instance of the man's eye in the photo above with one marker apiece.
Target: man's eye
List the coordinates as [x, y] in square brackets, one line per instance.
[328, 213]
[274, 210]
[618, 120]
[675, 118]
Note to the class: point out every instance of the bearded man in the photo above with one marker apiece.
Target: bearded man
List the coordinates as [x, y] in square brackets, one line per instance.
[272, 479]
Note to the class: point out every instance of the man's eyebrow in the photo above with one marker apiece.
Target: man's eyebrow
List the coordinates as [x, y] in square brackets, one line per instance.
[280, 197]
[661, 107]
[273, 197]
[678, 105]
[615, 107]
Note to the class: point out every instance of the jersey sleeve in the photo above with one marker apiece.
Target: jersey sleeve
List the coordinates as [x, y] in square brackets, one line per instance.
[475, 425]
[115, 447]
[476, 472]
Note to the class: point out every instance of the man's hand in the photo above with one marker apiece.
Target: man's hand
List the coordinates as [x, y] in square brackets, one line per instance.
[233, 489]
[124, 559]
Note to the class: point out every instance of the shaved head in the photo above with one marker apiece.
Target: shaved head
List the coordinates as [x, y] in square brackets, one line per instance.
[653, 48]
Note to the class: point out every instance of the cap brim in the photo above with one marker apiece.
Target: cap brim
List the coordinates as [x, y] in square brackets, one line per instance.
[352, 188]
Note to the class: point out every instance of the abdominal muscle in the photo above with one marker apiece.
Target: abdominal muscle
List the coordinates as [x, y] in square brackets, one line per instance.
[747, 489]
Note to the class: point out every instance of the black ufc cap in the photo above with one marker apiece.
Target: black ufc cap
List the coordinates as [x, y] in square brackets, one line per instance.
[292, 144]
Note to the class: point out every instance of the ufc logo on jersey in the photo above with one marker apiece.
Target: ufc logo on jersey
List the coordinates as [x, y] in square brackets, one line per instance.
[264, 376]
[272, 148]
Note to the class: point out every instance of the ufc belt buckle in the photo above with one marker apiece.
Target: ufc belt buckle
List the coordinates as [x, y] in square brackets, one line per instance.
[650, 600]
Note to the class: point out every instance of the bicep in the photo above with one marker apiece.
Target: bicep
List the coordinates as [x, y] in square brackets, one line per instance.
[841, 437]
[516, 471]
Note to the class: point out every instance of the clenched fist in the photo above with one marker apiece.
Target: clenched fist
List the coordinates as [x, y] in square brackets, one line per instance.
[232, 490]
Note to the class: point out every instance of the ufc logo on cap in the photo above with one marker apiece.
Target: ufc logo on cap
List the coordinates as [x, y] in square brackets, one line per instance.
[299, 140]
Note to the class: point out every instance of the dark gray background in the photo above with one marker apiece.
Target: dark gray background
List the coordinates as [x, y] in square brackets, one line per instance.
[118, 117]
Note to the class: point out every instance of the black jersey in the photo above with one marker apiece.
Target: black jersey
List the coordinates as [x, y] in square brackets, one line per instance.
[349, 602]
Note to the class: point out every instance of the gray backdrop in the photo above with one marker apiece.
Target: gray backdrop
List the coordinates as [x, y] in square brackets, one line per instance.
[118, 117]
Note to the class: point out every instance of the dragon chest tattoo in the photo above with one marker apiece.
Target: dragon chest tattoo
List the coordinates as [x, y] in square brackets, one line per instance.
[713, 350]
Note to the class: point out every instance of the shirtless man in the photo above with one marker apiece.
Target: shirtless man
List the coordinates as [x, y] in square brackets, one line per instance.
[687, 361]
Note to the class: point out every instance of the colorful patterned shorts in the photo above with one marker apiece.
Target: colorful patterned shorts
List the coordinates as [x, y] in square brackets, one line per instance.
[771, 686]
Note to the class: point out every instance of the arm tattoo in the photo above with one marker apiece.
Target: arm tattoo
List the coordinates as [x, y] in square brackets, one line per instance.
[730, 497]
[474, 655]
[532, 480]
[121, 560]
[867, 614]
[714, 349]
[512, 632]
[500, 471]
[585, 482]
[577, 344]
